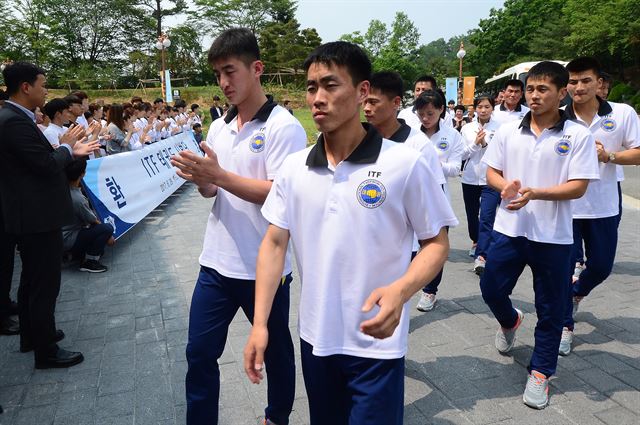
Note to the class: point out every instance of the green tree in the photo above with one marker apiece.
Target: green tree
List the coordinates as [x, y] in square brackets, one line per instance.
[215, 16]
[609, 30]
[185, 51]
[158, 12]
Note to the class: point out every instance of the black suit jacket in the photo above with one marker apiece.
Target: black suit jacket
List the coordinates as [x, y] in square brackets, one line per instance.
[34, 192]
[216, 112]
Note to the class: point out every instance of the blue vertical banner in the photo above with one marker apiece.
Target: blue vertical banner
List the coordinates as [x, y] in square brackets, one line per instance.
[167, 86]
[452, 90]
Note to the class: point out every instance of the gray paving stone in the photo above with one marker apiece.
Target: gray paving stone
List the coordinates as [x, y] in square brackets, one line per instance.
[131, 324]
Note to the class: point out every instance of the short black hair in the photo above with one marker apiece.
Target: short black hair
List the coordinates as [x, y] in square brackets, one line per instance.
[514, 82]
[216, 97]
[429, 97]
[388, 82]
[606, 77]
[342, 53]
[235, 42]
[557, 73]
[180, 103]
[158, 100]
[459, 108]
[20, 72]
[196, 125]
[479, 99]
[427, 79]
[79, 93]
[54, 106]
[194, 106]
[451, 102]
[72, 98]
[585, 63]
[75, 169]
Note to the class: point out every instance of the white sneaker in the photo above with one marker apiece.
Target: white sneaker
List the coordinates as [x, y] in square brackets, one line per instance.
[577, 270]
[536, 393]
[565, 342]
[427, 302]
[506, 338]
[479, 265]
[472, 251]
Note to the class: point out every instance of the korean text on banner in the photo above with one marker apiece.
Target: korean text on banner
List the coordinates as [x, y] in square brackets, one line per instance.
[124, 188]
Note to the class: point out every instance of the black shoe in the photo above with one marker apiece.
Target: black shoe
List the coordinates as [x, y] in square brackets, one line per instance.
[9, 326]
[13, 308]
[92, 266]
[62, 358]
[25, 347]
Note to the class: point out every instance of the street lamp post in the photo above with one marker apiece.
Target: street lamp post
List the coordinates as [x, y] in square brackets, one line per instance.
[460, 56]
[162, 44]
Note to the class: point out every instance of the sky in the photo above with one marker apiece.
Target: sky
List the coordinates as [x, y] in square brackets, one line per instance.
[434, 18]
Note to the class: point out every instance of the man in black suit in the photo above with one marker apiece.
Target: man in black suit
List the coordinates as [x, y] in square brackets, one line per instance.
[35, 202]
[216, 111]
[8, 308]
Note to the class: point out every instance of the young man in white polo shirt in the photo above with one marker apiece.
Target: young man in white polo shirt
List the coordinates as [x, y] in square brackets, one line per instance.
[380, 110]
[243, 154]
[616, 130]
[538, 165]
[58, 112]
[409, 114]
[351, 204]
[510, 109]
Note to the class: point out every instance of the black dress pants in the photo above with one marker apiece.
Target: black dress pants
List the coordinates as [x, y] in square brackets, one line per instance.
[41, 255]
[7, 253]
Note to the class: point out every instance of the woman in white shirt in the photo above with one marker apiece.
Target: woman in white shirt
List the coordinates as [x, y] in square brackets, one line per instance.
[448, 143]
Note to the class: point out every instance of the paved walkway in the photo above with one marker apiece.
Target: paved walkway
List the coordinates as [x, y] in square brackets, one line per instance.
[131, 324]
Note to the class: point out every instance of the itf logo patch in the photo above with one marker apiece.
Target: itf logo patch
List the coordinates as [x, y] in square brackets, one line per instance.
[443, 145]
[563, 147]
[257, 143]
[608, 124]
[371, 193]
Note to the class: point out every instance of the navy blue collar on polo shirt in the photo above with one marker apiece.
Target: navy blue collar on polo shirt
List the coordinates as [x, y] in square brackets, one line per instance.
[402, 134]
[517, 109]
[559, 125]
[604, 108]
[366, 152]
[262, 114]
[423, 129]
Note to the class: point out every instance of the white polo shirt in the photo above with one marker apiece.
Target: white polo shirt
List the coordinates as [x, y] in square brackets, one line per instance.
[448, 144]
[502, 114]
[351, 227]
[236, 227]
[475, 171]
[564, 152]
[419, 141]
[616, 127]
[81, 120]
[53, 133]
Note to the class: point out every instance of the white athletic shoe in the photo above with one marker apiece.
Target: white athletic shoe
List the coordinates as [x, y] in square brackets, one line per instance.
[427, 302]
[565, 342]
[479, 265]
[506, 338]
[536, 393]
[577, 270]
[472, 251]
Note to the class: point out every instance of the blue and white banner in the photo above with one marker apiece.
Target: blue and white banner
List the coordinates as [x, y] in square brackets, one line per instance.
[124, 188]
[451, 90]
